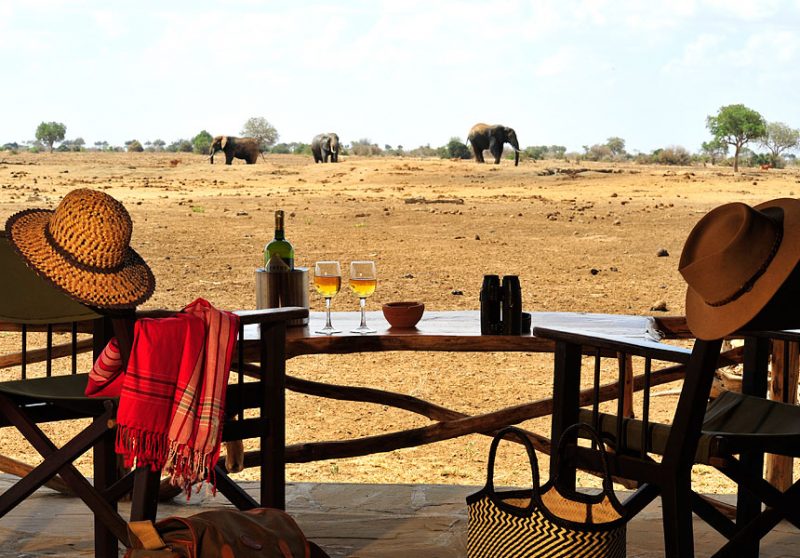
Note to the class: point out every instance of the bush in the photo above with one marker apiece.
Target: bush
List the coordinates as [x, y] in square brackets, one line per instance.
[673, 155]
[134, 146]
[365, 148]
[201, 143]
[424, 151]
[456, 149]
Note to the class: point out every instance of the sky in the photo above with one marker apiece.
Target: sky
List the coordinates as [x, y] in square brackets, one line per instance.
[408, 73]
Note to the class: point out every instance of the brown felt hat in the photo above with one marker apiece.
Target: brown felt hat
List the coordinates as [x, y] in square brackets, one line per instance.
[83, 247]
[735, 261]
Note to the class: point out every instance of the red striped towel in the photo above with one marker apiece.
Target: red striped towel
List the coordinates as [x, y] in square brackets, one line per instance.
[173, 393]
[105, 378]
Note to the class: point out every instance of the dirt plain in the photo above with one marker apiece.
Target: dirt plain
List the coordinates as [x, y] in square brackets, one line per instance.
[581, 237]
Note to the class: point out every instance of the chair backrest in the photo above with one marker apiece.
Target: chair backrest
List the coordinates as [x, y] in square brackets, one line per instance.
[27, 298]
[630, 423]
[35, 311]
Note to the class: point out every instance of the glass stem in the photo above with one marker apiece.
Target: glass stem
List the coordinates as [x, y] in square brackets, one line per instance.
[363, 302]
[328, 313]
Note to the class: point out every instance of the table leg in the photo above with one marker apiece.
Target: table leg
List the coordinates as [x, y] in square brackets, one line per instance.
[566, 388]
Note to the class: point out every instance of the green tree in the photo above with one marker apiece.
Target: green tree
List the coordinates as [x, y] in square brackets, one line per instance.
[201, 143]
[50, 132]
[616, 146]
[258, 127]
[736, 125]
[780, 138]
[457, 149]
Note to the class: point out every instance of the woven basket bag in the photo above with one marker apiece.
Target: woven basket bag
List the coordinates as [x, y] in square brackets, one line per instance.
[544, 522]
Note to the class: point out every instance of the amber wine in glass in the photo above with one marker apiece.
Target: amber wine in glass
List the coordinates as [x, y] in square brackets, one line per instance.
[363, 280]
[327, 281]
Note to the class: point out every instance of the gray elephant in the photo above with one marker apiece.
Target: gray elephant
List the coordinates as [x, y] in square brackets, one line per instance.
[324, 146]
[241, 148]
[483, 136]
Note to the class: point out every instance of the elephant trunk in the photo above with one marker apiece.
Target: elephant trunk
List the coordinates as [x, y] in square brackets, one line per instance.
[515, 145]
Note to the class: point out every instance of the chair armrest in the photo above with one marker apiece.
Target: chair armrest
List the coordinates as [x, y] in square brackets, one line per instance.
[271, 315]
[630, 345]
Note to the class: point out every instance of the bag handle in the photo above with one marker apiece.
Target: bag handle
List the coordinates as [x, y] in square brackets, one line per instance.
[520, 434]
[608, 484]
[143, 535]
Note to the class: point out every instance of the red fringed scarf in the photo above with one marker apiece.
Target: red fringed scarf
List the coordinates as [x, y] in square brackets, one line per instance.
[172, 403]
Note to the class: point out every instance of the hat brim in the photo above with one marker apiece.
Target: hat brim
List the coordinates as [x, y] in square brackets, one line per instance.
[126, 287]
[715, 322]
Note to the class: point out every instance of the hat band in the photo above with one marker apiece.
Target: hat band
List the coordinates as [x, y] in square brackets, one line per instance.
[80, 265]
[748, 285]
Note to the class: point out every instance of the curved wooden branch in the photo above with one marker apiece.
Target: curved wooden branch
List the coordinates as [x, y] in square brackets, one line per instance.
[453, 423]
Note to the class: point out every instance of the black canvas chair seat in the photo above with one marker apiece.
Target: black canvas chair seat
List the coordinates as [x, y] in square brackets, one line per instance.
[54, 398]
[733, 423]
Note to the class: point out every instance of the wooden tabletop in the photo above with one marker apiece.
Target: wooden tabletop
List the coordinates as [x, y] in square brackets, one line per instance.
[457, 331]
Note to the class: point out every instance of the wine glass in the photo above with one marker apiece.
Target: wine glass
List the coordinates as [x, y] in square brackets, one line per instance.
[328, 281]
[363, 281]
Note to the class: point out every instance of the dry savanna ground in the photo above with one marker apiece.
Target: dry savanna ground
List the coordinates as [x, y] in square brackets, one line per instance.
[580, 241]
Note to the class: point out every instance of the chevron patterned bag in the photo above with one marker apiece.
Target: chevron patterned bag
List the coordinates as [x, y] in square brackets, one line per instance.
[544, 522]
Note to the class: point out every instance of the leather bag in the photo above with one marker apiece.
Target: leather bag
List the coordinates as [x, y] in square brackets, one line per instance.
[222, 533]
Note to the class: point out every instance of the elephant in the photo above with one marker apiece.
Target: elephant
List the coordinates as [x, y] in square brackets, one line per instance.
[240, 148]
[324, 146]
[483, 136]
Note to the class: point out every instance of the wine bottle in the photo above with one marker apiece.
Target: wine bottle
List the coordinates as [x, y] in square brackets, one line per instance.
[279, 253]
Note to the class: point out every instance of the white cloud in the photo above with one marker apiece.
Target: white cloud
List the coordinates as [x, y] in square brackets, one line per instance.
[109, 23]
[704, 51]
[746, 10]
[559, 63]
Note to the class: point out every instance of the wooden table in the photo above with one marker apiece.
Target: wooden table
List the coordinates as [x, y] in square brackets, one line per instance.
[457, 331]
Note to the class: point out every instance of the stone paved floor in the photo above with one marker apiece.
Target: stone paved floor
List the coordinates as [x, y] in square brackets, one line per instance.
[358, 521]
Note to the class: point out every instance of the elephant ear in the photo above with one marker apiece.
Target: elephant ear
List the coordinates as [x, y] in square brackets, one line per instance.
[224, 142]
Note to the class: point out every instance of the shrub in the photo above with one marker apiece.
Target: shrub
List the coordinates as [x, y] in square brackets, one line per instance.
[201, 143]
[423, 151]
[456, 149]
[673, 155]
[364, 148]
[134, 146]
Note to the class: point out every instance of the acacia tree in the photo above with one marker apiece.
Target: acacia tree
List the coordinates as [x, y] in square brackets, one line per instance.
[51, 132]
[736, 125]
[258, 127]
[616, 145]
[780, 138]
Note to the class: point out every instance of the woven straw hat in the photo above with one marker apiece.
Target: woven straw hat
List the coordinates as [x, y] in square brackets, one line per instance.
[83, 247]
[736, 262]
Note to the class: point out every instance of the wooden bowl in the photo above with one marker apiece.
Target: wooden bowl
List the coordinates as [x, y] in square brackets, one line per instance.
[403, 314]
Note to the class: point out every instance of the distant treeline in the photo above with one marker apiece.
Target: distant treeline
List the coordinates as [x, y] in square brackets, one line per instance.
[734, 126]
